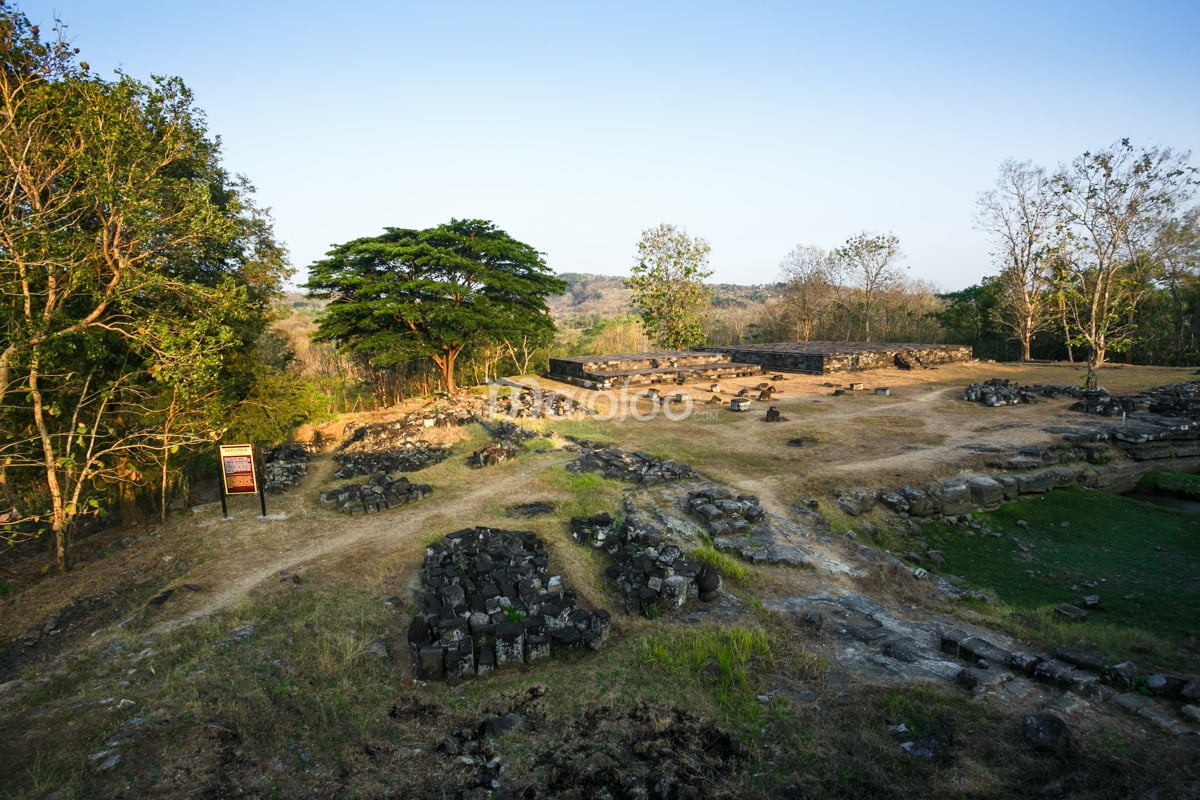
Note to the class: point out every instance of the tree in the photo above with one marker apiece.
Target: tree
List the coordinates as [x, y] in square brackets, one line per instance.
[668, 286]
[132, 267]
[1019, 216]
[870, 262]
[432, 293]
[813, 286]
[1112, 206]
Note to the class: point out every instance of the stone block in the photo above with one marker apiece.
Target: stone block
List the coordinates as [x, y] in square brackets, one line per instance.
[1071, 612]
[920, 502]
[537, 647]
[510, 644]
[1085, 659]
[1047, 733]
[1025, 663]
[975, 649]
[986, 492]
[1165, 685]
[1054, 672]
[1122, 675]
[956, 497]
[431, 663]
[674, 591]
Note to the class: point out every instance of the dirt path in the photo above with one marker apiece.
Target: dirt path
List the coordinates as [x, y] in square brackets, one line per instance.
[295, 534]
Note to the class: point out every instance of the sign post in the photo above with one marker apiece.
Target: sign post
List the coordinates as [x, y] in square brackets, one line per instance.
[239, 474]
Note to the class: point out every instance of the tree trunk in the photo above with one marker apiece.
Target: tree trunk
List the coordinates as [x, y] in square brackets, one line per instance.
[60, 520]
[445, 364]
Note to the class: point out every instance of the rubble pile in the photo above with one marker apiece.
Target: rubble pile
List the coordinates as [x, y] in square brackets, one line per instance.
[404, 457]
[1175, 400]
[377, 493]
[285, 465]
[509, 433]
[997, 392]
[721, 513]
[1073, 669]
[397, 446]
[639, 468]
[536, 404]
[651, 573]
[494, 453]
[488, 601]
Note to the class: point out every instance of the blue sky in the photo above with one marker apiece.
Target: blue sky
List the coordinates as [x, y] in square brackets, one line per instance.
[575, 125]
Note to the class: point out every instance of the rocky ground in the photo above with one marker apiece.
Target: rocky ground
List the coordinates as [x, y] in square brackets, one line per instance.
[874, 619]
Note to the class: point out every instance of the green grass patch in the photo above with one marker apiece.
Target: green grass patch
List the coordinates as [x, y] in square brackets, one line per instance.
[1176, 484]
[725, 564]
[1140, 558]
[591, 493]
[537, 445]
[719, 657]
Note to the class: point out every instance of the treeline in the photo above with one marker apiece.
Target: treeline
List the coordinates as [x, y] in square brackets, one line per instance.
[136, 277]
[1098, 257]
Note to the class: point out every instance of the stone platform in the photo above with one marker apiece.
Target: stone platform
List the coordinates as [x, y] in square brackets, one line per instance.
[637, 369]
[824, 358]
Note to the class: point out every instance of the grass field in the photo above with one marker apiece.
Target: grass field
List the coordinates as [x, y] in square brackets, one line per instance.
[1143, 561]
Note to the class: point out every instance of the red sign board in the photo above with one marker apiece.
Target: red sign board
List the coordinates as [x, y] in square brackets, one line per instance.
[237, 469]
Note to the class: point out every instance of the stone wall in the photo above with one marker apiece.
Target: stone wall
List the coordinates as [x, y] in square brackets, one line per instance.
[825, 358]
[640, 369]
[1107, 456]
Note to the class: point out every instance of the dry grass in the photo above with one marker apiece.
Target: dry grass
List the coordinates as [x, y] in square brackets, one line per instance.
[299, 705]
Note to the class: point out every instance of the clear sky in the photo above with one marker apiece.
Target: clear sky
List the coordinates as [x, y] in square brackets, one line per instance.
[575, 125]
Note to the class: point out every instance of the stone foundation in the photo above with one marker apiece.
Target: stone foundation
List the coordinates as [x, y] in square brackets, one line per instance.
[825, 358]
[640, 369]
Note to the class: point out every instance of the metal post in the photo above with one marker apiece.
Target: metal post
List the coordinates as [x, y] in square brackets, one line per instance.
[221, 482]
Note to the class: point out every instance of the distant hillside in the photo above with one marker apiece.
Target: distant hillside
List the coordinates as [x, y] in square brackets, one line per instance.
[591, 299]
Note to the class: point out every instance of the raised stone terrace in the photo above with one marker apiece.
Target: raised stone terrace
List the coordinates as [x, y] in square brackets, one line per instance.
[636, 369]
[824, 358]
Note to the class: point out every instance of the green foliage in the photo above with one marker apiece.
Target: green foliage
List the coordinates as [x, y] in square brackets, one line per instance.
[433, 293]
[968, 317]
[134, 273]
[869, 261]
[722, 656]
[668, 286]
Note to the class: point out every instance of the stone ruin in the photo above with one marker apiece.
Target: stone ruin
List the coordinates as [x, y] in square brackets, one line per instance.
[639, 468]
[651, 573]
[527, 403]
[825, 358]
[1080, 671]
[1175, 400]
[721, 513]
[996, 392]
[487, 601]
[285, 464]
[492, 454]
[394, 446]
[377, 493]
[639, 369]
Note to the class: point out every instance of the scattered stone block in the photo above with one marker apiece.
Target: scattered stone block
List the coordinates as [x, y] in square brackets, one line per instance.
[1047, 733]
[1084, 659]
[1071, 612]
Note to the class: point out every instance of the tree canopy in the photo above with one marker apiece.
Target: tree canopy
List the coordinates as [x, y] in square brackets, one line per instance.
[668, 286]
[433, 293]
[133, 271]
